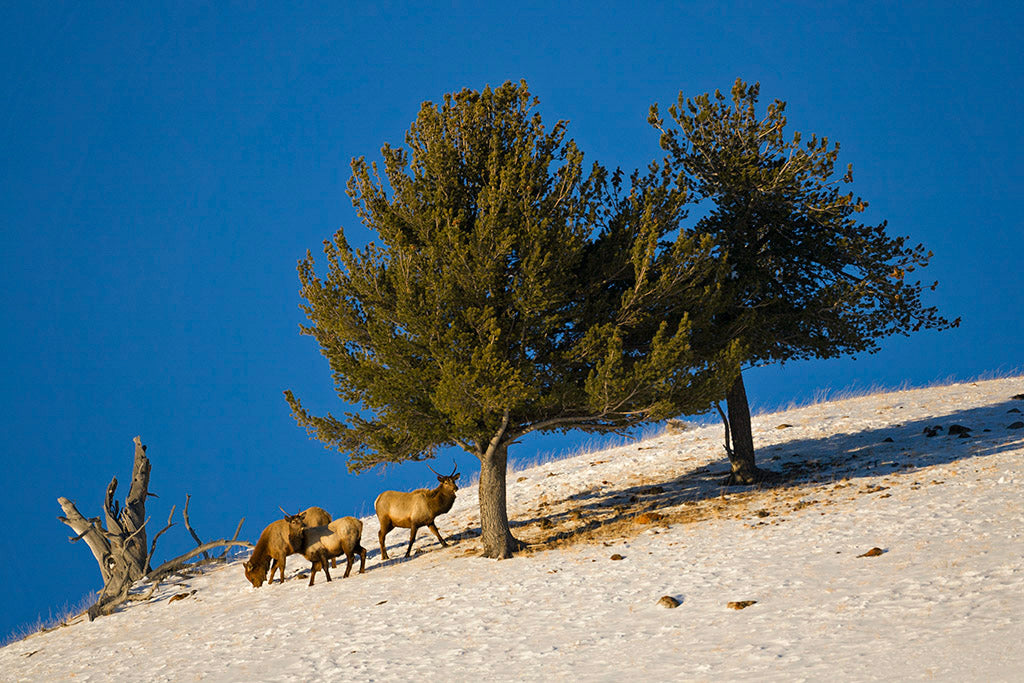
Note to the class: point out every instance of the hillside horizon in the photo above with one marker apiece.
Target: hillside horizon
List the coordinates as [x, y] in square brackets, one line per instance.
[612, 531]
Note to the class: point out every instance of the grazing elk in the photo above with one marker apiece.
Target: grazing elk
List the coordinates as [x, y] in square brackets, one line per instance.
[413, 509]
[322, 543]
[279, 540]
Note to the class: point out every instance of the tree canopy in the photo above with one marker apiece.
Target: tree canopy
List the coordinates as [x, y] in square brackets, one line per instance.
[804, 278]
[510, 290]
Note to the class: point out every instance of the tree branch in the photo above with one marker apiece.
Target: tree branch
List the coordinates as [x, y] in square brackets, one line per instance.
[152, 547]
[496, 439]
[97, 541]
[93, 526]
[195, 537]
[170, 566]
[728, 429]
[580, 421]
[111, 508]
[224, 554]
[137, 531]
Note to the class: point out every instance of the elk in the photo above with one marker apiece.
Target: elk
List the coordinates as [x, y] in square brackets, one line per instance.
[326, 542]
[279, 540]
[413, 509]
[315, 516]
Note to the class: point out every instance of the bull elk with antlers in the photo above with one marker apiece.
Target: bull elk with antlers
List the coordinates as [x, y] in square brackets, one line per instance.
[414, 509]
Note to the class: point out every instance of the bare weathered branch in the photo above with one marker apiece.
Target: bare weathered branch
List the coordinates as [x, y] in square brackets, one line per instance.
[224, 554]
[93, 526]
[111, 508]
[152, 547]
[87, 531]
[195, 536]
[170, 566]
[137, 531]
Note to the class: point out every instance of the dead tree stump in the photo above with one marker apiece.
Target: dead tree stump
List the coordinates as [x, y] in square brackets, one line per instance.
[120, 547]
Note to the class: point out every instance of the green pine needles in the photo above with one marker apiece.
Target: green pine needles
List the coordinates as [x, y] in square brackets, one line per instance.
[808, 280]
[510, 289]
[505, 289]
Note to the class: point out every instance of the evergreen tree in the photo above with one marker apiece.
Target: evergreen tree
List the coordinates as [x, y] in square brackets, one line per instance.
[805, 279]
[509, 292]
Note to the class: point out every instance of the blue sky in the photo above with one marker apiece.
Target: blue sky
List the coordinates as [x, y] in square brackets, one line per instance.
[165, 166]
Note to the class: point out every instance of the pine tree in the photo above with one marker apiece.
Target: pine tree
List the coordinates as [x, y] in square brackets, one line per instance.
[508, 292]
[805, 279]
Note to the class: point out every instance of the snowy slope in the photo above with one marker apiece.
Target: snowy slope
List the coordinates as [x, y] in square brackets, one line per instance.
[943, 601]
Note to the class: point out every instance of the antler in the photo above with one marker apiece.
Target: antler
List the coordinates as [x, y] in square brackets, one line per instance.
[454, 470]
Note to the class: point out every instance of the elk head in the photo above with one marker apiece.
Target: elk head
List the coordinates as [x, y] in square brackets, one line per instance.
[448, 480]
[291, 519]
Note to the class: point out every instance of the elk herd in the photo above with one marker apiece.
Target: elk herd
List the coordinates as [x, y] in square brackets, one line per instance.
[313, 534]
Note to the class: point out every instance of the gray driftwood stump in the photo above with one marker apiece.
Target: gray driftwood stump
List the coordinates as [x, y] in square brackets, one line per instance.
[120, 546]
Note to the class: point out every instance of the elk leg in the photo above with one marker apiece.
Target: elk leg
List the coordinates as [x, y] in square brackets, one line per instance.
[323, 564]
[273, 570]
[412, 537]
[312, 572]
[362, 559]
[280, 565]
[436, 533]
[385, 527]
[351, 558]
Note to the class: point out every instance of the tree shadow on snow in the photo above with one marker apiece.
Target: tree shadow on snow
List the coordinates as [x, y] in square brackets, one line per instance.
[607, 511]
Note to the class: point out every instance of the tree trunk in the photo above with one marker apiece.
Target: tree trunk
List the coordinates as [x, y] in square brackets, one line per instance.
[133, 516]
[741, 455]
[120, 549]
[127, 524]
[497, 538]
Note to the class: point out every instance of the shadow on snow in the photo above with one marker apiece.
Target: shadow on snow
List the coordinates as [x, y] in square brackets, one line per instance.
[798, 463]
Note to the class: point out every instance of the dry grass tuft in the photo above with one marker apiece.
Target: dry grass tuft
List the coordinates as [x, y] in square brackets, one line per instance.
[65, 615]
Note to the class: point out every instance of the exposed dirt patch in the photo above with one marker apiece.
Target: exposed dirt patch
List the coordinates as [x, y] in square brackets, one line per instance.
[621, 515]
[565, 524]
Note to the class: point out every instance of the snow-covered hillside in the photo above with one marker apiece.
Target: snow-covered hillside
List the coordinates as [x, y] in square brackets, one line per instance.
[942, 598]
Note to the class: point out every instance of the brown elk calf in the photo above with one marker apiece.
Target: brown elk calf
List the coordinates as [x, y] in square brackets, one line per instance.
[414, 509]
[315, 516]
[322, 543]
